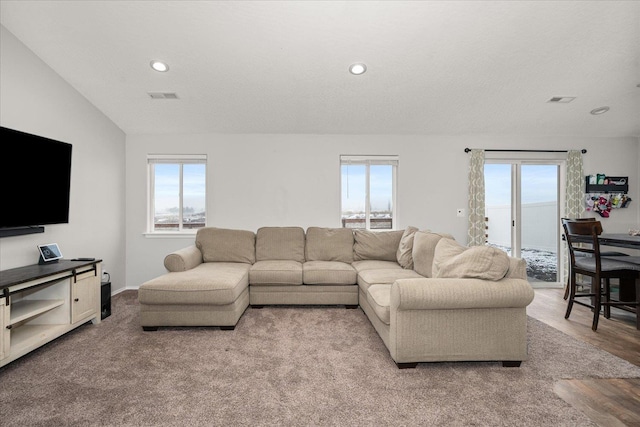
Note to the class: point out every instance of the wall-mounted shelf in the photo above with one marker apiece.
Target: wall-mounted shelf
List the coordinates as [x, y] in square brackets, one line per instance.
[608, 188]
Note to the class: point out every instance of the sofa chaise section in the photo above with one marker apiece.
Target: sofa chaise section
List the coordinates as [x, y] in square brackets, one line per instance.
[211, 294]
[207, 284]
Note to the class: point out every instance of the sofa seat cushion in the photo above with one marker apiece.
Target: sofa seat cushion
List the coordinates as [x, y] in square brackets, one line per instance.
[328, 273]
[384, 277]
[276, 272]
[210, 283]
[379, 298]
[375, 265]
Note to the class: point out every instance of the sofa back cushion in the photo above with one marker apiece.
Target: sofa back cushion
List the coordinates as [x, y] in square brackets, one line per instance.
[226, 245]
[424, 247]
[452, 260]
[405, 248]
[329, 244]
[380, 245]
[280, 243]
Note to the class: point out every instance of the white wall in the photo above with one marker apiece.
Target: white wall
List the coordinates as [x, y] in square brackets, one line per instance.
[36, 100]
[280, 180]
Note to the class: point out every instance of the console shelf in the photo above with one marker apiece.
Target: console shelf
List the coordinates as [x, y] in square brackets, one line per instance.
[39, 303]
[27, 309]
[29, 337]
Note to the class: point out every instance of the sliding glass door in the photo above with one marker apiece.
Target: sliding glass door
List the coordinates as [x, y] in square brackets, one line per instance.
[523, 210]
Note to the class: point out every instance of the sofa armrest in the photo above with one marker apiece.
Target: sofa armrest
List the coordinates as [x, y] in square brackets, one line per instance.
[183, 259]
[447, 294]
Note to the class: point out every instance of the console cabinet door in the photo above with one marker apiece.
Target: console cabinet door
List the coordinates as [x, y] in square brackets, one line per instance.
[4, 332]
[84, 294]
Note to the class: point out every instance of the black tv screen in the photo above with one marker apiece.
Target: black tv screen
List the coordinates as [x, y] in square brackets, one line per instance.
[35, 176]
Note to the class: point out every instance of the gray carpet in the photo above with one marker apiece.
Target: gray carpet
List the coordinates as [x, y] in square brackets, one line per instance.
[284, 366]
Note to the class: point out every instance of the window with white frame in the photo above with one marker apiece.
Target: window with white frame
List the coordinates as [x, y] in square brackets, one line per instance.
[177, 192]
[368, 191]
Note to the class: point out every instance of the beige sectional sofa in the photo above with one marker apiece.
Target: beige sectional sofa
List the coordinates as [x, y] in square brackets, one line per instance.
[429, 298]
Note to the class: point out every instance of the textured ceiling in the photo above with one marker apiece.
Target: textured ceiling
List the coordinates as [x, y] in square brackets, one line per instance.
[434, 67]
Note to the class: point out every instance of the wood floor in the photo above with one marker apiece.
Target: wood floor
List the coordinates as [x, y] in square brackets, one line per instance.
[607, 402]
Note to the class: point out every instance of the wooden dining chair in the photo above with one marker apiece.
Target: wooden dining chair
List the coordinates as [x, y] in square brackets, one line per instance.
[603, 254]
[582, 238]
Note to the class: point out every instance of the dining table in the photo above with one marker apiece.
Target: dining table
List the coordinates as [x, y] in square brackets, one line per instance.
[629, 289]
[621, 240]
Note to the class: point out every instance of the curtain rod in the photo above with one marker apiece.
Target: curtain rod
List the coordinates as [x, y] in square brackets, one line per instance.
[466, 150]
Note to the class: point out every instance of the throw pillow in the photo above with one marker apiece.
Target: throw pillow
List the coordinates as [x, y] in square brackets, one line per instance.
[445, 250]
[404, 252]
[424, 246]
[481, 262]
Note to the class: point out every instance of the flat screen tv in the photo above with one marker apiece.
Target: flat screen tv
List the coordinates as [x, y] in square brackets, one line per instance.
[35, 180]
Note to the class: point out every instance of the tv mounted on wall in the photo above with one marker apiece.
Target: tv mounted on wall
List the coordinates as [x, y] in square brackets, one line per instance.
[35, 181]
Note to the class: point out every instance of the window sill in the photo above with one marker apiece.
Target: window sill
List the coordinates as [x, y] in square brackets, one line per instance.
[170, 235]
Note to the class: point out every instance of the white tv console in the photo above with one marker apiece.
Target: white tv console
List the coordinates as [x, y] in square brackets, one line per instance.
[39, 303]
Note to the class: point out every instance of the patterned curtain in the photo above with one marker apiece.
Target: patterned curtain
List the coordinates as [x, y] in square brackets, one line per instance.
[476, 233]
[574, 207]
[575, 198]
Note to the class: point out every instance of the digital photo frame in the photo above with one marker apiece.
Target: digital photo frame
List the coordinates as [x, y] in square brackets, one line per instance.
[49, 253]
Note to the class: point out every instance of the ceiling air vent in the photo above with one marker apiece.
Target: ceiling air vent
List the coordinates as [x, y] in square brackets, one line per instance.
[162, 95]
[562, 99]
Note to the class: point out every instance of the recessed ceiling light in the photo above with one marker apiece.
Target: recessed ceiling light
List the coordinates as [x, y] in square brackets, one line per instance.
[357, 69]
[159, 66]
[600, 110]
